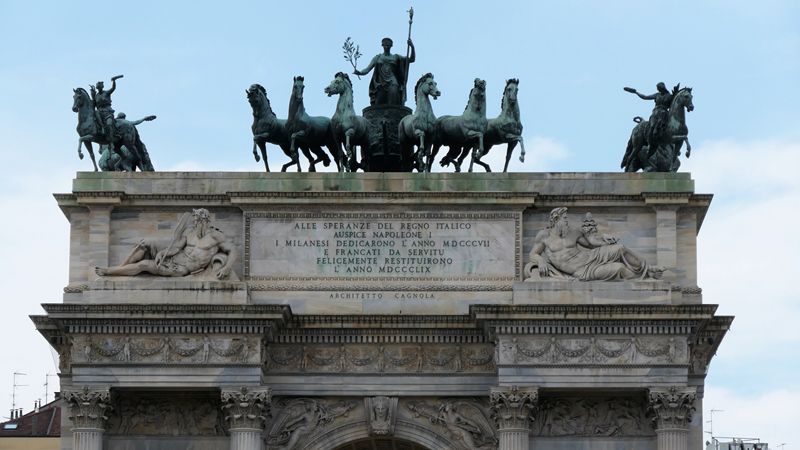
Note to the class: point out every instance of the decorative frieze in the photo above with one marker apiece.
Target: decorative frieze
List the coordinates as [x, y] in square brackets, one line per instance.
[592, 416]
[594, 350]
[178, 349]
[88, 407]
[390, 358]
[295, 420]
[672, 407]
[246, 407]
[513, 407]
[467, 422]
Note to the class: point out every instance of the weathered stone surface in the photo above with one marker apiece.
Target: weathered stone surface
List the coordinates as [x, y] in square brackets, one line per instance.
[329, 347]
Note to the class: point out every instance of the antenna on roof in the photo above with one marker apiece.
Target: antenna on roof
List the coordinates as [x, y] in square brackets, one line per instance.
[14, 391]
[47, 386]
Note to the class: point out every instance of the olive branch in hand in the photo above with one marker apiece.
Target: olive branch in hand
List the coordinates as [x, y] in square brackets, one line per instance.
[351, 53]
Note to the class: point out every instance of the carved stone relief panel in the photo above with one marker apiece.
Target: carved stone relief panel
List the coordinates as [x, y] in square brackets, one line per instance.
[594, 350]
[466, 421]
[296, 421]
[166, 414]
[381, 415]
[175, 349]
[389, 358]
[592, 416]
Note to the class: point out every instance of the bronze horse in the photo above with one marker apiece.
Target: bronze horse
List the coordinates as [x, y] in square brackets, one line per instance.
[305, 130]
[89, 130]
[464, 132]
[663, 156]
[413, 128]
[268, 128]
[348, 128]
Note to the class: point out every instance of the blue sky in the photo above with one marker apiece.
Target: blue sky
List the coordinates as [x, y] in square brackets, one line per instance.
[189, 63]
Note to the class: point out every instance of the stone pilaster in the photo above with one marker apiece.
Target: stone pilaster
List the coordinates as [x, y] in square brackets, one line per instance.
[512, 410]
[99, 234]
[87, 411]
[671, 409]
[246, 410]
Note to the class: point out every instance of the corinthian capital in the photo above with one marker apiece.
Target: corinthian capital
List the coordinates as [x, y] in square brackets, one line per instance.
[87, 407]
[513, 407]
[671, 407]
[246, 407]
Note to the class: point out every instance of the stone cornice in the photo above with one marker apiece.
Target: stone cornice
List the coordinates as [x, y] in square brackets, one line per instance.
[165, 310]
[591, 312]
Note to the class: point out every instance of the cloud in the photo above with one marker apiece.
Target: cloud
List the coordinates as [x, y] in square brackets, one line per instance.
[747, 255]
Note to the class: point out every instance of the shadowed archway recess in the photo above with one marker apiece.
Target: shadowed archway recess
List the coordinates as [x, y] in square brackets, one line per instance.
[381, 444]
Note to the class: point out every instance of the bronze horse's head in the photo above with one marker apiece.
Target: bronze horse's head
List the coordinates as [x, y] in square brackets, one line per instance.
[79, 95]
[510, 92]
[684, 99]
[298, 87]
[254, 93]
[341, 82]
[428, 85]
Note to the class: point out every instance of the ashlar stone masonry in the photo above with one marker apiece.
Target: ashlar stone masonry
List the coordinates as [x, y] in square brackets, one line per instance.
[328, 311]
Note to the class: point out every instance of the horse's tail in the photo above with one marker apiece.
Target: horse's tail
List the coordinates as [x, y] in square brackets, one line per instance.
[638, 119]
[145, 165]
[628, 153]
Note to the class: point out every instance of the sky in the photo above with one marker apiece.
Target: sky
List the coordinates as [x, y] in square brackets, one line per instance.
[190, 63]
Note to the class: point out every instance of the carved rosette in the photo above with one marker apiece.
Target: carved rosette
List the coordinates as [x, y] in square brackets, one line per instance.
[672, 407]
[88, 407]
[246, 407]
[513, 407]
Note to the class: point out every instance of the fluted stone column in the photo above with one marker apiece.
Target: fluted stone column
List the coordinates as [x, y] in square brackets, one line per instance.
[87, 411]
[246, 410]
[512, 410]
[671, 409]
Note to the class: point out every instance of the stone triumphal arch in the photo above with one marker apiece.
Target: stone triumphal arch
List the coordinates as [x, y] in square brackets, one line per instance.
[328, 311]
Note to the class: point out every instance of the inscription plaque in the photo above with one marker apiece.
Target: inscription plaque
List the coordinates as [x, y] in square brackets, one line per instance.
[359, 246]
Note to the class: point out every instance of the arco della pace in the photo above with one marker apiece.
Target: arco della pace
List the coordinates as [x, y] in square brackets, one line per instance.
[327, 311]
[383, 309]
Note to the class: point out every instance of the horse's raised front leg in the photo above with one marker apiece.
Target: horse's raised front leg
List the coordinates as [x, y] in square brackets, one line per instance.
[293, 159]
[310, 158]
[522, 146]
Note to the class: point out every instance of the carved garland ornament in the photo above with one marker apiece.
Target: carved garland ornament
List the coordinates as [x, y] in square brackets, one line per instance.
[595, 350]
[163, 349]
[380, 358]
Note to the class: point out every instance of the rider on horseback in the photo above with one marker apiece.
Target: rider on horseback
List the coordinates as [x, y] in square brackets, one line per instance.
[102, 102]
[658, 118]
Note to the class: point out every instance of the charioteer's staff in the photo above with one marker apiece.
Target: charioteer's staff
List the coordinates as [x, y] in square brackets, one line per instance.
[408, 45]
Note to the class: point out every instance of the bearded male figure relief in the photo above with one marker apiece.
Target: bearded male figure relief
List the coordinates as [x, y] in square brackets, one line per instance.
[583, 254]
[202, 251]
